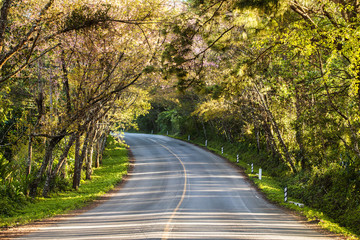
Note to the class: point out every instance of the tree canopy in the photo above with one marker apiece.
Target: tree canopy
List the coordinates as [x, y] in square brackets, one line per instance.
[280, 75]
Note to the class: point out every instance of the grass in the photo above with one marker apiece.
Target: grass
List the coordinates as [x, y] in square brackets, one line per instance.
[272, 187]
[104, 178]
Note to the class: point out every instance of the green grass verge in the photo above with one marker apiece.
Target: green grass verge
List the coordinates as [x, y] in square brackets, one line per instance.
[272, 187]
[104, 178]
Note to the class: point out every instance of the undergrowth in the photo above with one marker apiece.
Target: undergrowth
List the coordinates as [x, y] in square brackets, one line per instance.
[104, 178]
[306, 188]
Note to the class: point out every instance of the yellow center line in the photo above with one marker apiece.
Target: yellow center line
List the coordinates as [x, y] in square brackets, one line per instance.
[167, 227]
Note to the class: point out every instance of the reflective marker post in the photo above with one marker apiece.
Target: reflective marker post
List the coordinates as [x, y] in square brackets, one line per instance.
[285, 194]
[205, 143]
[260, 173]
[222, 150]
[237, 158]
[252, 168]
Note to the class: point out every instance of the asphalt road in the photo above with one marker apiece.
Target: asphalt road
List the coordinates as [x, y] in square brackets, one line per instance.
[180, 191]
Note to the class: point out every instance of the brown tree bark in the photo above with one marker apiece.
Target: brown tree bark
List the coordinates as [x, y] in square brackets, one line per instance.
[97, 153]
[299, 132]
[89, 162]
[51, 177]
[89, 153]
[47, 158]
[287, 155]
[79, 160]
[29, 160]
[4, 11]
[66, 87]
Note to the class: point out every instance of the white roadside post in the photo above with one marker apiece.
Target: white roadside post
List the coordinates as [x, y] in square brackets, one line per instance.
[205, 143]
[260, 173]
[285, 194]
[252, 168]
[188, 137]
[222, 150]
[237, 158]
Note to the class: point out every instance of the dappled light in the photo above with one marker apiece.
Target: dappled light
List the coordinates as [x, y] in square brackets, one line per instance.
[271, 85]
[217, 202]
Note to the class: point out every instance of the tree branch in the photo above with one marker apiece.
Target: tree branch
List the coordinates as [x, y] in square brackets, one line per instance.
[4, 20]
[7, 77]
[211, 45]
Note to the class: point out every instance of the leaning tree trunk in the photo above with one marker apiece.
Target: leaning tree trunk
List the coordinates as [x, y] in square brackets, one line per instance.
[89, 153]
[299, 132]
[51, 177]
[97, 153]
[89, 162]
[79, 159]
[102, 148]
[277, 131]
[47, 158]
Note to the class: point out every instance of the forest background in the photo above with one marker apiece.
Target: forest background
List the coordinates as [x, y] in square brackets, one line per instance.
[278, 79]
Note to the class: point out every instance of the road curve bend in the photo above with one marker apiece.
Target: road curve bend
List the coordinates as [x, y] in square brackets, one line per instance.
[180, 191]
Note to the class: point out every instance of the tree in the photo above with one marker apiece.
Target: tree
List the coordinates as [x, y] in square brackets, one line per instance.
[278, 74]
[79, 65]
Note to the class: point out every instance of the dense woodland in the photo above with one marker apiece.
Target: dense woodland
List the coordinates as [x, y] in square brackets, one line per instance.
[281, 76]
[71, 72]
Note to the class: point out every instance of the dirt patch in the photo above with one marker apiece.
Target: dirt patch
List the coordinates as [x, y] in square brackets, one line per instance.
[14, 232]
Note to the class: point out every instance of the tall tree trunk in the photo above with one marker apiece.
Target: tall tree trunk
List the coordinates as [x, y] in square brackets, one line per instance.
[89, 162]
[4, 11]
[97, 153]
[102, 148]
[98, 143]
[258, 140]
[29, 160]
[66, 87]
[270, 139]
[89, 153]
[257, 133]
[64, 167]
[277, 130]
[47, 158]
[48, 174]
[79, 159]
[96, 164]
[62, 160]
[298, 130]
[204, 129]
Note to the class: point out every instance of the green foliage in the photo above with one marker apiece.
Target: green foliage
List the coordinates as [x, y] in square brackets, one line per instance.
[85, 17]
[276, 82]
[302, 187]
[268, 6]
[169, 121]
[335, 191]
[12, 184]
[20, 210]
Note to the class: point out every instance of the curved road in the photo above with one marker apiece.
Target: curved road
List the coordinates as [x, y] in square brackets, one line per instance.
[180, 191]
